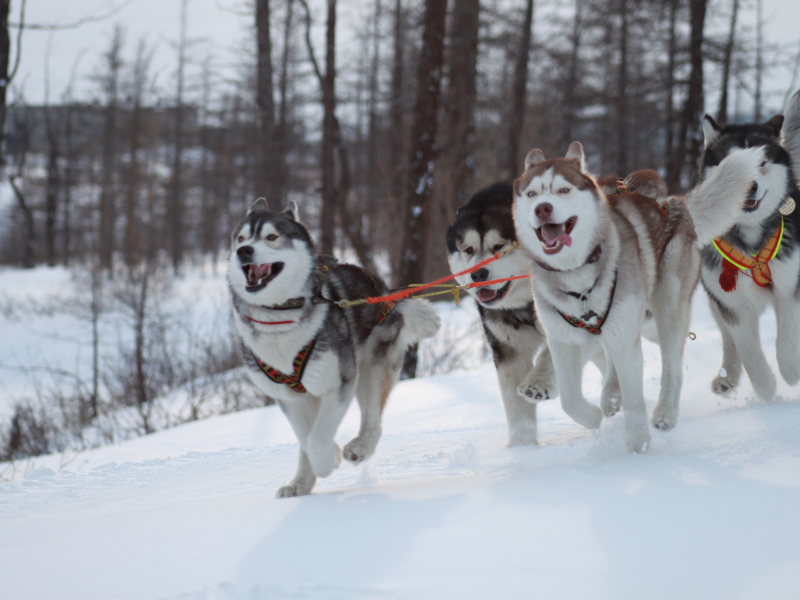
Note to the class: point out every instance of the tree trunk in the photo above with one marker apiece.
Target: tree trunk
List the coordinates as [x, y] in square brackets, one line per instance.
[329, 200]
[688, 151]
[108, 205]
[670, 85]
[398, 147]
[759, 59]
[53, 186]
[570, 96]
[511, 168]
[622, 90]
[5, 47]
[281, 180]
[69, 182]
[175, 196]
[419, 187]
[457, 162]
[267, 143]
[29, 248]
[722, 112]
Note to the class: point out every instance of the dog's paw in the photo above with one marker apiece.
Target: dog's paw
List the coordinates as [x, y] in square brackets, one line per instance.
[292, 490]
[664, 420]
[610, 405]
[324, 458]
[357, 450]
[637, 439]
[789, 367]
[535, 390]
[586, 414]
[721, 385]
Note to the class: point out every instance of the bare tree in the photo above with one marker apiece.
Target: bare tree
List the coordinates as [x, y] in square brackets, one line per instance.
[722, 112]
[518, 95]
[108, 207]
[268, 179]
[419, 187]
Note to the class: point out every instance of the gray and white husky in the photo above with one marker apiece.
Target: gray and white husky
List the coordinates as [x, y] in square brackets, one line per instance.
[603, 266]
[305, 351]
[738, 294]
[484, 226]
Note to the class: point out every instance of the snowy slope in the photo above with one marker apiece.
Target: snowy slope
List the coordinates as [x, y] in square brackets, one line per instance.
[443, 510]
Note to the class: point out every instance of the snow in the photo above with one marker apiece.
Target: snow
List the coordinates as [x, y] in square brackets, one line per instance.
[443, 510]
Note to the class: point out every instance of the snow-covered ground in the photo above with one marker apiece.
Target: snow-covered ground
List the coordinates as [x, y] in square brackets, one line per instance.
[444, 509]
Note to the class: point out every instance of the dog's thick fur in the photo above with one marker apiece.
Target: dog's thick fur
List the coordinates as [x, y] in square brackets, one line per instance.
[273, 261]
[748, 229]
[484, 226]
[627, 262]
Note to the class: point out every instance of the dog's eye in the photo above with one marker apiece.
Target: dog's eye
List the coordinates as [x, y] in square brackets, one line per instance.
[531, 194]
[469, 250]
[761, 166]
[240, 239]
[563, 191]
[272, 237]
[498, 247]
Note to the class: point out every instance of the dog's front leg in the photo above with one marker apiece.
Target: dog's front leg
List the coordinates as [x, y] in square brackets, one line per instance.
[610, 400]
[731, 369]
[568, 362]
[629, 365]
[746, 336]
[787, 343]
[323, 452]
[520, 411]
[301, 414]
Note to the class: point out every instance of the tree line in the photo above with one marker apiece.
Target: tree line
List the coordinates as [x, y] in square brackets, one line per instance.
[379, 147]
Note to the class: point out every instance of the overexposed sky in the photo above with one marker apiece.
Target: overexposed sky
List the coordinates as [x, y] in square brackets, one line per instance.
[223, 28]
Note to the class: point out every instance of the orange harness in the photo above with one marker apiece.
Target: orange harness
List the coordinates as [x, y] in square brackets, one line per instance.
[758, 263]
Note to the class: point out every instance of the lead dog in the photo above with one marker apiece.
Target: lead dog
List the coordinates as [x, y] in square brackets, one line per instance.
[304, 350]
[601, 265]
[756, 261]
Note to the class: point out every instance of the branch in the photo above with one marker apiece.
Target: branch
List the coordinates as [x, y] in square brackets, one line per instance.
[55, 27]
[308, 42]
[19, 43]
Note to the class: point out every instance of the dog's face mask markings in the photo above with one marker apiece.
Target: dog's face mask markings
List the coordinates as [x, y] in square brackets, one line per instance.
[266, 247]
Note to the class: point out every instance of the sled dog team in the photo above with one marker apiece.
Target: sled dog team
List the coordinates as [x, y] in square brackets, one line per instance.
[611, 260]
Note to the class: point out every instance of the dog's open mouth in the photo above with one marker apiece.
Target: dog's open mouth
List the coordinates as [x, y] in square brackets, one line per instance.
[554, 236]
[258, 276]
[487, 296]
[751, 203]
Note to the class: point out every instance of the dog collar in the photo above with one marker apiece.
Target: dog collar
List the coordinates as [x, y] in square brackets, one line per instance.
[582, 324]
[593, 257]
[758, 264]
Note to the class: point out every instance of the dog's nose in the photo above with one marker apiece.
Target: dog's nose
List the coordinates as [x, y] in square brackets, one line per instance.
[245, 252]
[543, 211]
[480, 275]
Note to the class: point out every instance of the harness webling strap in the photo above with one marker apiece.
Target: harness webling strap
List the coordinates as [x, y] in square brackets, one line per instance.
[735, 261]
[298, 366]
[593, 329]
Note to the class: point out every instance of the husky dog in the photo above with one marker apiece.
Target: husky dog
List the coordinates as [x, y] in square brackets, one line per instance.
[484, 226]
[304, 350]
[756, 260]
[603, 265]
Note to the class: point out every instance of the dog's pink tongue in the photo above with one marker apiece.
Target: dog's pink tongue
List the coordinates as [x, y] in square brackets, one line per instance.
[552, 233]
[485, 294]
[750, 203]
[263, 270]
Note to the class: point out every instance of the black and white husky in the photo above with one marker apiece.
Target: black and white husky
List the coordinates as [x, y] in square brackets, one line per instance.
[308, 353]
[484, 226]
[756, 261]
[602, 266]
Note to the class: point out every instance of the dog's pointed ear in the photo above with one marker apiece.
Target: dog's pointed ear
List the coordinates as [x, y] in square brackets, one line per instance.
[575, 152]
[292, 211]
[534, 157]
[775, 124]
[259, 205]
[710, 131]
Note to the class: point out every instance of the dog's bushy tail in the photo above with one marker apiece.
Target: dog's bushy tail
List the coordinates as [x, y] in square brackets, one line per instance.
[791, 131]
[716, 203]
[420, 320]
